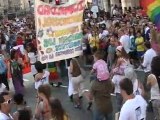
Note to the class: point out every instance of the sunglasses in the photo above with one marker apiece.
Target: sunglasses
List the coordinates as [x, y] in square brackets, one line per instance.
[118, 50]
[8, 101]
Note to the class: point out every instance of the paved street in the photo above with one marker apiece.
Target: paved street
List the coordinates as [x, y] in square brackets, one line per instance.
[62, 94]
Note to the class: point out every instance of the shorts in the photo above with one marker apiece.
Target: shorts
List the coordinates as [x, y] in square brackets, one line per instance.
[78, 84]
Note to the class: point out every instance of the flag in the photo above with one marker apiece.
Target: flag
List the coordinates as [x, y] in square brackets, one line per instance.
[152, 8]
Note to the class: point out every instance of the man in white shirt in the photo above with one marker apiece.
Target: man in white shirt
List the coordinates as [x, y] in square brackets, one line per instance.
[148, 56]
[5, 106]
[124, 40]
[134, 107]
[147, 59]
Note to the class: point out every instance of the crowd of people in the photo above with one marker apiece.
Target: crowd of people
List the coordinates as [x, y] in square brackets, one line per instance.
[115, 43]
[18, 52]
[124, 41]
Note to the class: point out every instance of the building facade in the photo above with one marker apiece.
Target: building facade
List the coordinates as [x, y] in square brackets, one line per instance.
[106, 4]
[11, 6]
[123, 3]
[25, 4]
[3, 7]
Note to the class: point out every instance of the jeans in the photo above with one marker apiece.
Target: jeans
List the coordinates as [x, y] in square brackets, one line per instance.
[97, 115]
[3, 78]
[156, 109]
[119, 101]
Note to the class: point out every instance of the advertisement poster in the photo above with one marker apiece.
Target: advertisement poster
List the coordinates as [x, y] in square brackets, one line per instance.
[58, 29]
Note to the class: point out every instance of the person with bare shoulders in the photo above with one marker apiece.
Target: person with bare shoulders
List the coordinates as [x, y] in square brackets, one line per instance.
[42, 76]
[43, 110]
[154, 82]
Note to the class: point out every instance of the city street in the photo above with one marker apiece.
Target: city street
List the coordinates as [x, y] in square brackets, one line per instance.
[111, 39]
[62, 94]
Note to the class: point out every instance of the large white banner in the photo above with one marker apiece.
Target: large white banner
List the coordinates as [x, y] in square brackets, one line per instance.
[58, 28]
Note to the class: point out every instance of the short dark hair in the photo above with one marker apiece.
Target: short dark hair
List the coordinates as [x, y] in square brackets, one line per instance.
[24, 114]
[39, 66]
[18, 99]
[138, 31]
[2, 100]
[126, 85]
[147, 44]
[13, 52]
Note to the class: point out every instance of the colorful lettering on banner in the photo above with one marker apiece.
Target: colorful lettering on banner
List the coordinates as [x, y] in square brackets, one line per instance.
[58, 29]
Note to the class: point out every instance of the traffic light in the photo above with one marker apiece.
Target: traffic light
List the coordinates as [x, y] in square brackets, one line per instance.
[57, 2]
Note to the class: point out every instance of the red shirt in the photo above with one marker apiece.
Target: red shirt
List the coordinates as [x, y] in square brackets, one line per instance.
[19, 41]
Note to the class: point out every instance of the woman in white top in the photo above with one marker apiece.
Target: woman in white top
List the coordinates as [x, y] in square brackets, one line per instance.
[154, 81]
[31, 57]
[118, 73]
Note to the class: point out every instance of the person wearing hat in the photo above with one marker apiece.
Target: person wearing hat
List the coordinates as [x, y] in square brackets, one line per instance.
[5, 106]
[118, 73]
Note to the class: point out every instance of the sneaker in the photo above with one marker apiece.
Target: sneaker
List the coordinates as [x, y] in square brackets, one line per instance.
[71, 98]
[52, 84]
[89, 106]
[59, 84]
[77, 106]
[80, 97]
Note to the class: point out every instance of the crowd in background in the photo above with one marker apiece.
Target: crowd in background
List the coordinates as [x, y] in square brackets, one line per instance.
[126, 41]
[115, 43]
